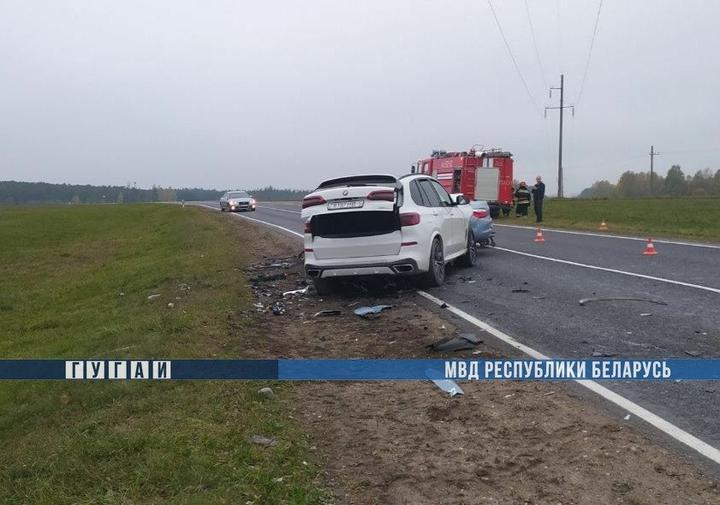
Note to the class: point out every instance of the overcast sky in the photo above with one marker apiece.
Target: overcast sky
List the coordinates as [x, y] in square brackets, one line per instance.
[234, 94]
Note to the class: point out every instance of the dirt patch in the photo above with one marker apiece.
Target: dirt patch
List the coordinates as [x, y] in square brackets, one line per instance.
[409, 443]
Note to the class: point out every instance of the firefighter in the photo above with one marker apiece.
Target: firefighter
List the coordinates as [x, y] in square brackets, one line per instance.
[522, 195]
[538, 195]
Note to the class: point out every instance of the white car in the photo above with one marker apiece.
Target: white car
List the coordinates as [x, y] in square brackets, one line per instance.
[382, 225]
[236, 201]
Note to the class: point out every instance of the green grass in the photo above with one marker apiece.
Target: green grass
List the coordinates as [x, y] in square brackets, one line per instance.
[74, 282]
[693, 218]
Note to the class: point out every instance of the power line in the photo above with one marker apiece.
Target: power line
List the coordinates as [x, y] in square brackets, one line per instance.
[592, 44]
[512, 57]
[537, 52]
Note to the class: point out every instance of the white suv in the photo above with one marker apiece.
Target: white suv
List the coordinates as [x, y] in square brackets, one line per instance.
[381, 225]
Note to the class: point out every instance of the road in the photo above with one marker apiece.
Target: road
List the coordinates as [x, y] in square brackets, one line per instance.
[546, 314]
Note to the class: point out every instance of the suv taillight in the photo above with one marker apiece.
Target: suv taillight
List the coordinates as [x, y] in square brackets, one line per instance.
[308, 226]
[386, 195]
[311, 201]
[409, 219]
[481, 213]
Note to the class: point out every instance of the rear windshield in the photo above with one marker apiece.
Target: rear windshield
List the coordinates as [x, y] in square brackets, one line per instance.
[479, 204]
[355, 224]
[238, 194]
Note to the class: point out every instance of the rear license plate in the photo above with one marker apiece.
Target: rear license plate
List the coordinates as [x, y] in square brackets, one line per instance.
[345, 204]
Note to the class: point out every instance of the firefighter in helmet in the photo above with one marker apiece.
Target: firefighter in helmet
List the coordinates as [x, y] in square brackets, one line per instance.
[522, 196]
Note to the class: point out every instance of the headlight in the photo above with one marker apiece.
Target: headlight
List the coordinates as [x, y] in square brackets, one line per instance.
[252, 201]
[232, 202]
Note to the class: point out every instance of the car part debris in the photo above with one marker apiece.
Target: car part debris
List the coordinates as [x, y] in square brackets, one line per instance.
[302, 291]
[538, 297]
[585, 301]
[694, 354]
[461, 342]
[369, 311]
[268, 277]
[446, 385]
[603, 354]
[521, 290]
[278, 309]
[153, 296]
[261, 440]
[324, 313]
[646, 314]
[444, 305]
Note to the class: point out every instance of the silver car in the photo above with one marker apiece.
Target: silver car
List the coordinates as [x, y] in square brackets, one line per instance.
[235, 201]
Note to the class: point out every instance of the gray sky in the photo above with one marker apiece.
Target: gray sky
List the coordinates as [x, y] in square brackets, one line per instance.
[242, 94]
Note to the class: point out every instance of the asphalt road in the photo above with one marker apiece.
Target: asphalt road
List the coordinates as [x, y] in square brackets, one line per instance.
[546, 314]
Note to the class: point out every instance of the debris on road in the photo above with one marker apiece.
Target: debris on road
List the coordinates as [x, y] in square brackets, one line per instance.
[585, 301]
[694, 354]
[521, 290]
[370, 311]
[266, 392]
[303, 291]
[278, 309]
[447, 385]
[268, 277]
[153, 296]
[604, 354]
[261, 440]
[461, 342]
[325, 313]
[646, 314]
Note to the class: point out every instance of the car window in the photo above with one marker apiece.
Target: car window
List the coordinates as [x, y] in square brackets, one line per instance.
[429, 193]
[224, 197]
[442, 194]
[239, 194]
[417, 195]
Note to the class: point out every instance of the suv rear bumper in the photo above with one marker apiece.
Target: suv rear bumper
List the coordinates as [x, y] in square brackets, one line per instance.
[399, 267]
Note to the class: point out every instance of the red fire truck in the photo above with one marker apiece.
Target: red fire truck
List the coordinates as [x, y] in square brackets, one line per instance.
[479, 175]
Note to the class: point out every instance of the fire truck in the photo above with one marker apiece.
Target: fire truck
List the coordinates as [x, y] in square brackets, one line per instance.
[479, 175]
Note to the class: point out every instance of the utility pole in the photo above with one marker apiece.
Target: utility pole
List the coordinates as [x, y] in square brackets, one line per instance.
[653, 153]
[560, 137]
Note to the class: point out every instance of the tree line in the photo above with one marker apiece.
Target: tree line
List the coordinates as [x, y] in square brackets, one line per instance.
[674, 183]
[21, 193]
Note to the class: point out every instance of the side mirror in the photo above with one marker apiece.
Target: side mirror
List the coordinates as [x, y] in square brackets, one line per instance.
[461, 200]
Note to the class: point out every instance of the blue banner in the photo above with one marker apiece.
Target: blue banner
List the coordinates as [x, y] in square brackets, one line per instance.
[361, 369]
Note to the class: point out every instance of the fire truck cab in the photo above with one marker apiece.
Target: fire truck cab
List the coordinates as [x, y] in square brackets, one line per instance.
[479, 175]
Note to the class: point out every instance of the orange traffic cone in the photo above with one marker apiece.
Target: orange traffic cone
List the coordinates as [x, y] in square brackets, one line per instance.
[603, 225]
[539, 236]
[649, 248]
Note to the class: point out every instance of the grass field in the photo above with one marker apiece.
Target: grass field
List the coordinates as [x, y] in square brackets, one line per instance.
[693, 218]
[75, 282]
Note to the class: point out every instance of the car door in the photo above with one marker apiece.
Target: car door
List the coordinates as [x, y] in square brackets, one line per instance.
[456, 218]
[440, 213]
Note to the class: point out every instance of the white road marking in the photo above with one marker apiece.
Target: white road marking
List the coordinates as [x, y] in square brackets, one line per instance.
[281, 210]
[605, 235]
[658, 422]
[611, 270]
[654, 420]
[261, 222]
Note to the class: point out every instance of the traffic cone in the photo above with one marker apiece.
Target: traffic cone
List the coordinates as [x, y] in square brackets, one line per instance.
[539, 236]
[603, 226]
[649, 248]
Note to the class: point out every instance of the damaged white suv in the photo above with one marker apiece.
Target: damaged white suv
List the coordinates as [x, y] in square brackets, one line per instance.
[382, 225]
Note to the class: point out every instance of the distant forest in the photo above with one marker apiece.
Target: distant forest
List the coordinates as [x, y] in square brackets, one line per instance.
[19, 193]
[674, 183]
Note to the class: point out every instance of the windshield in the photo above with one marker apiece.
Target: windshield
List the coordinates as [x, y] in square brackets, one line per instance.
[238, 194]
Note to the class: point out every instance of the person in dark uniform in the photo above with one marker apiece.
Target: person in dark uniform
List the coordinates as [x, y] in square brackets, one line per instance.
[538, 195]
[522, 195]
